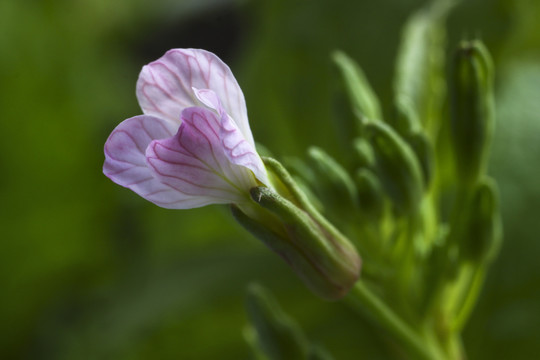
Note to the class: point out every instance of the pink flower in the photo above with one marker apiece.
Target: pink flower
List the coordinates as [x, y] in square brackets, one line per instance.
[193, 145]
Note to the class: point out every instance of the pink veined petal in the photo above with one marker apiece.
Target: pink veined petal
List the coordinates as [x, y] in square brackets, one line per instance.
[238, 150]
[209, 98]
[125, 161]
[164, 87]
[241, 152]
[193, 161]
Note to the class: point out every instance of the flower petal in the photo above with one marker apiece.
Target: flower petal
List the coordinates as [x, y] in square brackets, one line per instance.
[194, 162]
[241, 152]
[164, 87]
[238, 150]
[125, 161]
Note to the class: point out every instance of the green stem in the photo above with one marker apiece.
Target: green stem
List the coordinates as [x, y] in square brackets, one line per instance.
[473, 291]
[454, 347]
[365, 300]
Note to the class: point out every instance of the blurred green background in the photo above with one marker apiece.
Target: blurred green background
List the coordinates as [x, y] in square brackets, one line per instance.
[88, 270]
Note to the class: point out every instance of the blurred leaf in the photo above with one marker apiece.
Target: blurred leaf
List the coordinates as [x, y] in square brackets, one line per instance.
[277, 335]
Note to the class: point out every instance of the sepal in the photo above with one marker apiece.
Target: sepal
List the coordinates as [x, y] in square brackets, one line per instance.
[326, 261]
[286, 221]
[481, 231]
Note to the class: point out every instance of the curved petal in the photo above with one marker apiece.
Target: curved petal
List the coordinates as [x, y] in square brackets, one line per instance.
[238, 150]
[125, 161]
[193, 161]
[164, 87]
[209, 98]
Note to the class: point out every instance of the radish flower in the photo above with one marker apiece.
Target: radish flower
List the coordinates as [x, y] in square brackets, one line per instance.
[193, 145]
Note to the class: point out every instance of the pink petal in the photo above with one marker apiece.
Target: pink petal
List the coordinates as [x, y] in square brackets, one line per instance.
[194, 162]
[239, 151]
[164, 87]
[125, 161]
[209, 98]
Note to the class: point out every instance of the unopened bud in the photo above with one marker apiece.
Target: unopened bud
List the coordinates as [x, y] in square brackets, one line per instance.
[423, 149]
[370, 193]
[333, 185]
[396, 166]
[364, 153]
[472, 110]
[419, 86]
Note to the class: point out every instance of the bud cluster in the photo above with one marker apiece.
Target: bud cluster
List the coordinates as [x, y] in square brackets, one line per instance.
[414, 197]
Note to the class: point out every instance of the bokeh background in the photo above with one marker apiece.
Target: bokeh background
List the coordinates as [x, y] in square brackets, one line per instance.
[88, 270]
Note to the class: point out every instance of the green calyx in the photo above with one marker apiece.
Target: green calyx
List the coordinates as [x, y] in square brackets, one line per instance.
[285, 221]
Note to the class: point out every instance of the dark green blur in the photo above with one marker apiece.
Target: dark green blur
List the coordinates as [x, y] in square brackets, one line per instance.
[88, 270]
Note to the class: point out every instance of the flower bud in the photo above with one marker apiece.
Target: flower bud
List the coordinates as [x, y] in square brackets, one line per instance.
[405, 119]
[370, 193]
[423, 149]
[396, 166]
[472, 110]
[364, 153]
[419, 83]
[288, 224]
